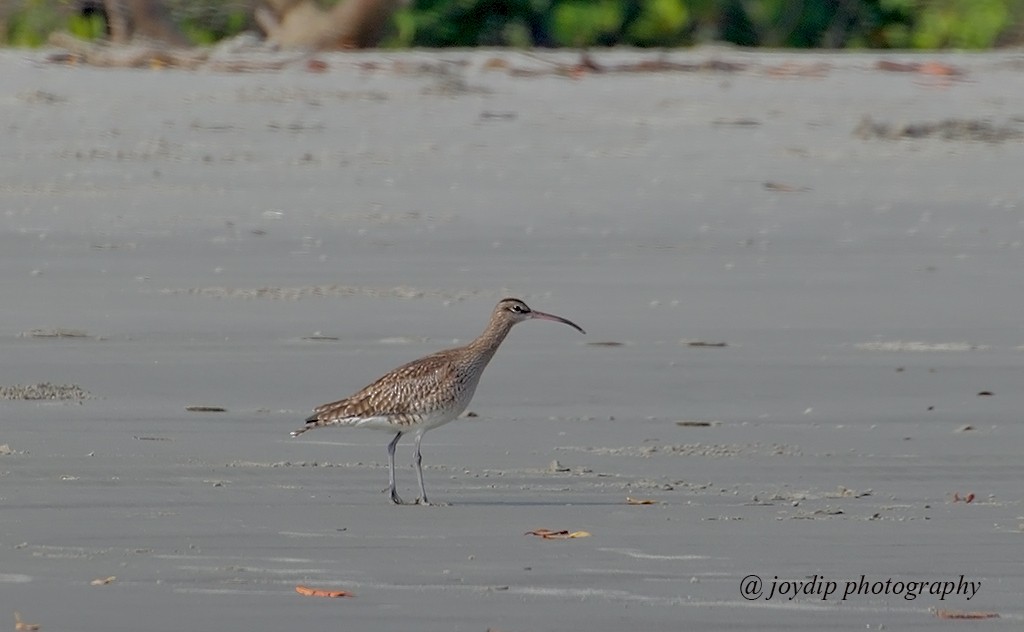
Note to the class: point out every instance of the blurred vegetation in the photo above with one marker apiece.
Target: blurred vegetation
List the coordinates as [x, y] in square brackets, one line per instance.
[29, 22]
[970, 24]
[206, 23]
[922, 24]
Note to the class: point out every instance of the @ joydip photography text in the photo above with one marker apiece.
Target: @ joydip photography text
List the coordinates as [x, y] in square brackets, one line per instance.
[820, 587]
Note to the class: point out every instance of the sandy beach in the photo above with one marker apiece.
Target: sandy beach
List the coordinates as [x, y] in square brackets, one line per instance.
[801, 281]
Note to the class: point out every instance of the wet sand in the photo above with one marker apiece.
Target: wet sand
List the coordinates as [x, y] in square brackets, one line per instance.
[266, 242]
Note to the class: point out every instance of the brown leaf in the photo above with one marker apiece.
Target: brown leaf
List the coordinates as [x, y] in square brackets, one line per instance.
[21, 626]
[640, 501]
[548, 534]
[496, 63]
[316, 65]
[319, 592]
[895, 66]
[939, 69]
[933, 68]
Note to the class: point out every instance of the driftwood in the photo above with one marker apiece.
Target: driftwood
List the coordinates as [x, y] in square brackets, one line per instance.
[124, 56]
[302, 24]
[250, 57]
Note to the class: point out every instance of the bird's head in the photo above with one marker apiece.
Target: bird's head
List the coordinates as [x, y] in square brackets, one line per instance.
[516, 311]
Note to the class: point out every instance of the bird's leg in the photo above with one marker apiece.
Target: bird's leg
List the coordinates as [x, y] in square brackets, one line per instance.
[391, 470]
[422, 500]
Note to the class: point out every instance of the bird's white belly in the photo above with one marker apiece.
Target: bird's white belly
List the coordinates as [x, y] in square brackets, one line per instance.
[424, 421]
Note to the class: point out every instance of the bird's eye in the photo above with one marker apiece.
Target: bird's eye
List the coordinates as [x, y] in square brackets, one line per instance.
[517, 309]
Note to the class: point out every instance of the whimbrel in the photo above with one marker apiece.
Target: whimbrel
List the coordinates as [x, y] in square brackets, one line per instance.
[425, 393]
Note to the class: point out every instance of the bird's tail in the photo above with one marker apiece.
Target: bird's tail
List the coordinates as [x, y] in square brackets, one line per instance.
[311, 422]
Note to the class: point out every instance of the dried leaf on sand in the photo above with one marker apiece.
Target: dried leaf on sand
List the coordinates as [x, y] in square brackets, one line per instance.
[319, 592]
[548, 534]
[21, 626]
[640, 501]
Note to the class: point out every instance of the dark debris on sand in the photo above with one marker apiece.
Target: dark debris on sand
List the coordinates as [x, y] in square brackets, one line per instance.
[45, 391]
[949, 129]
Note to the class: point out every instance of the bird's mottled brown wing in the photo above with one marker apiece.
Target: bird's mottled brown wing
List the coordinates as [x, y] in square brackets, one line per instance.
[404, 395]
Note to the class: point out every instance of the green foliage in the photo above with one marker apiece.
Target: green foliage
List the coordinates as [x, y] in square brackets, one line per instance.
[586, 23]
[32, 24]
[960, 24]
[661, 22]
[923, 24]
[774, 23]
[435, 23]
[87, 27]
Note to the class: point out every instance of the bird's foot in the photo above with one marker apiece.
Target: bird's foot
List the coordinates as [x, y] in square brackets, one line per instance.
[427, 503]
[395, 498]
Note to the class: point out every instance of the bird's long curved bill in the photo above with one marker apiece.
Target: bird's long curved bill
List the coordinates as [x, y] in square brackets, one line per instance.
[557, 319]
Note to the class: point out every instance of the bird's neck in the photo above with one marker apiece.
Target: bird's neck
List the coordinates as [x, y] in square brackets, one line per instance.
[488, 342]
